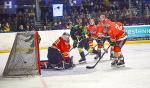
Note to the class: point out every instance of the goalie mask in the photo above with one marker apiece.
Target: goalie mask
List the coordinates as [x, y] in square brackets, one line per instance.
[66, 36]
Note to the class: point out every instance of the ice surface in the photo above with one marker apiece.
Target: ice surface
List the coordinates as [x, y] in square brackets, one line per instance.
[136, 74]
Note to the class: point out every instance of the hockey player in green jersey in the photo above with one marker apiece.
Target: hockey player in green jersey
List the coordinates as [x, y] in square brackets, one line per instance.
[80, 41]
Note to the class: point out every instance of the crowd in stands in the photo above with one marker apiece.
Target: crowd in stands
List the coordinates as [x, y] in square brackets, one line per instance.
[116, 10]
[136, 13]
[17, 22]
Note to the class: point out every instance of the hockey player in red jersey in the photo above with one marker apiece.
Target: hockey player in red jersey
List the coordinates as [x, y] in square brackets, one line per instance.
[92, 32]
[102, 32]
[92, 29]
[118, 37]
[58, 53]
[104, 20]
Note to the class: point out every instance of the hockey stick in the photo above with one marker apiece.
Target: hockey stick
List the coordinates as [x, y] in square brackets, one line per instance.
[91, 67]
[71, 49]
[89, 52]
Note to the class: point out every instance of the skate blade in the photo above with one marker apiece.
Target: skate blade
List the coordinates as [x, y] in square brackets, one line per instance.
[121, 65]
[113, 66]
[83, 62]
[58, 68]
[117, 66]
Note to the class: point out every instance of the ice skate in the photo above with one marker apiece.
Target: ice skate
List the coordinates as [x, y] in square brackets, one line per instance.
[121, 63]
[81, 61]
[69, 66]
[114, 63]
[98, 55]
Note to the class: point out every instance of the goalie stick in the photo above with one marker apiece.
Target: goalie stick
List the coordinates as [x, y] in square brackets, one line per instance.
[91, 67]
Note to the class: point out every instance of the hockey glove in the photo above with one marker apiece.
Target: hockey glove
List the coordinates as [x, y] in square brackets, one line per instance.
[75, 43]
[113, 44]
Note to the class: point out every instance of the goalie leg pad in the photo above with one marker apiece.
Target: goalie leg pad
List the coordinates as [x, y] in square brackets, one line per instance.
[54, 56]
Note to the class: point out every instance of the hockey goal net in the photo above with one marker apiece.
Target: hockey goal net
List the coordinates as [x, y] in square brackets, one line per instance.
[24, 57]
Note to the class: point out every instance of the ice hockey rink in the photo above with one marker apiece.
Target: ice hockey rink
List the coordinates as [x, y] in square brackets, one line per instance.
[136, 73]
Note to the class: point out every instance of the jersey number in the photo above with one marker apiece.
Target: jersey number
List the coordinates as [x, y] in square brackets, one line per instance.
[118, 27]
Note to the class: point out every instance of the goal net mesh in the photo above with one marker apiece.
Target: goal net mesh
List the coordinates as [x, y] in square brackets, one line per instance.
[23, 58]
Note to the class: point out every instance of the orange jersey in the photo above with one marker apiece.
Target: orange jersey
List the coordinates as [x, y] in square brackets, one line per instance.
[62, 46]
[117, 31]
[92, 30]
[107, 21]
[101, 25]
[101, 30]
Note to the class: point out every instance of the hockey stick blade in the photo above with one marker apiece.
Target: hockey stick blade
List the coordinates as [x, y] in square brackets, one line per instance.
[91, 67]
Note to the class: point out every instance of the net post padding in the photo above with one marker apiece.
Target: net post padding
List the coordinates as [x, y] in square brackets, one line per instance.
[23, 58]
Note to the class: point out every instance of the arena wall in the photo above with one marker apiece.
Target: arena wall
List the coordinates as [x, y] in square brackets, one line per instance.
[135, 33]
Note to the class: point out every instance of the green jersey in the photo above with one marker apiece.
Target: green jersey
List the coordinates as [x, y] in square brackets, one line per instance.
[78, 33]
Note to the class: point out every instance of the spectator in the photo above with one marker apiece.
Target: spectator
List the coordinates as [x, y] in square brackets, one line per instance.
[1, 30]
[60, 26]
[55, 26]
[43, 9]
[44, 27]
[116, 10]
[28, 27]
[21, 28]
[6, 27]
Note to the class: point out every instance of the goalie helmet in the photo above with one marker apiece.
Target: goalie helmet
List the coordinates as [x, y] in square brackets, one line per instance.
[66, 36]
